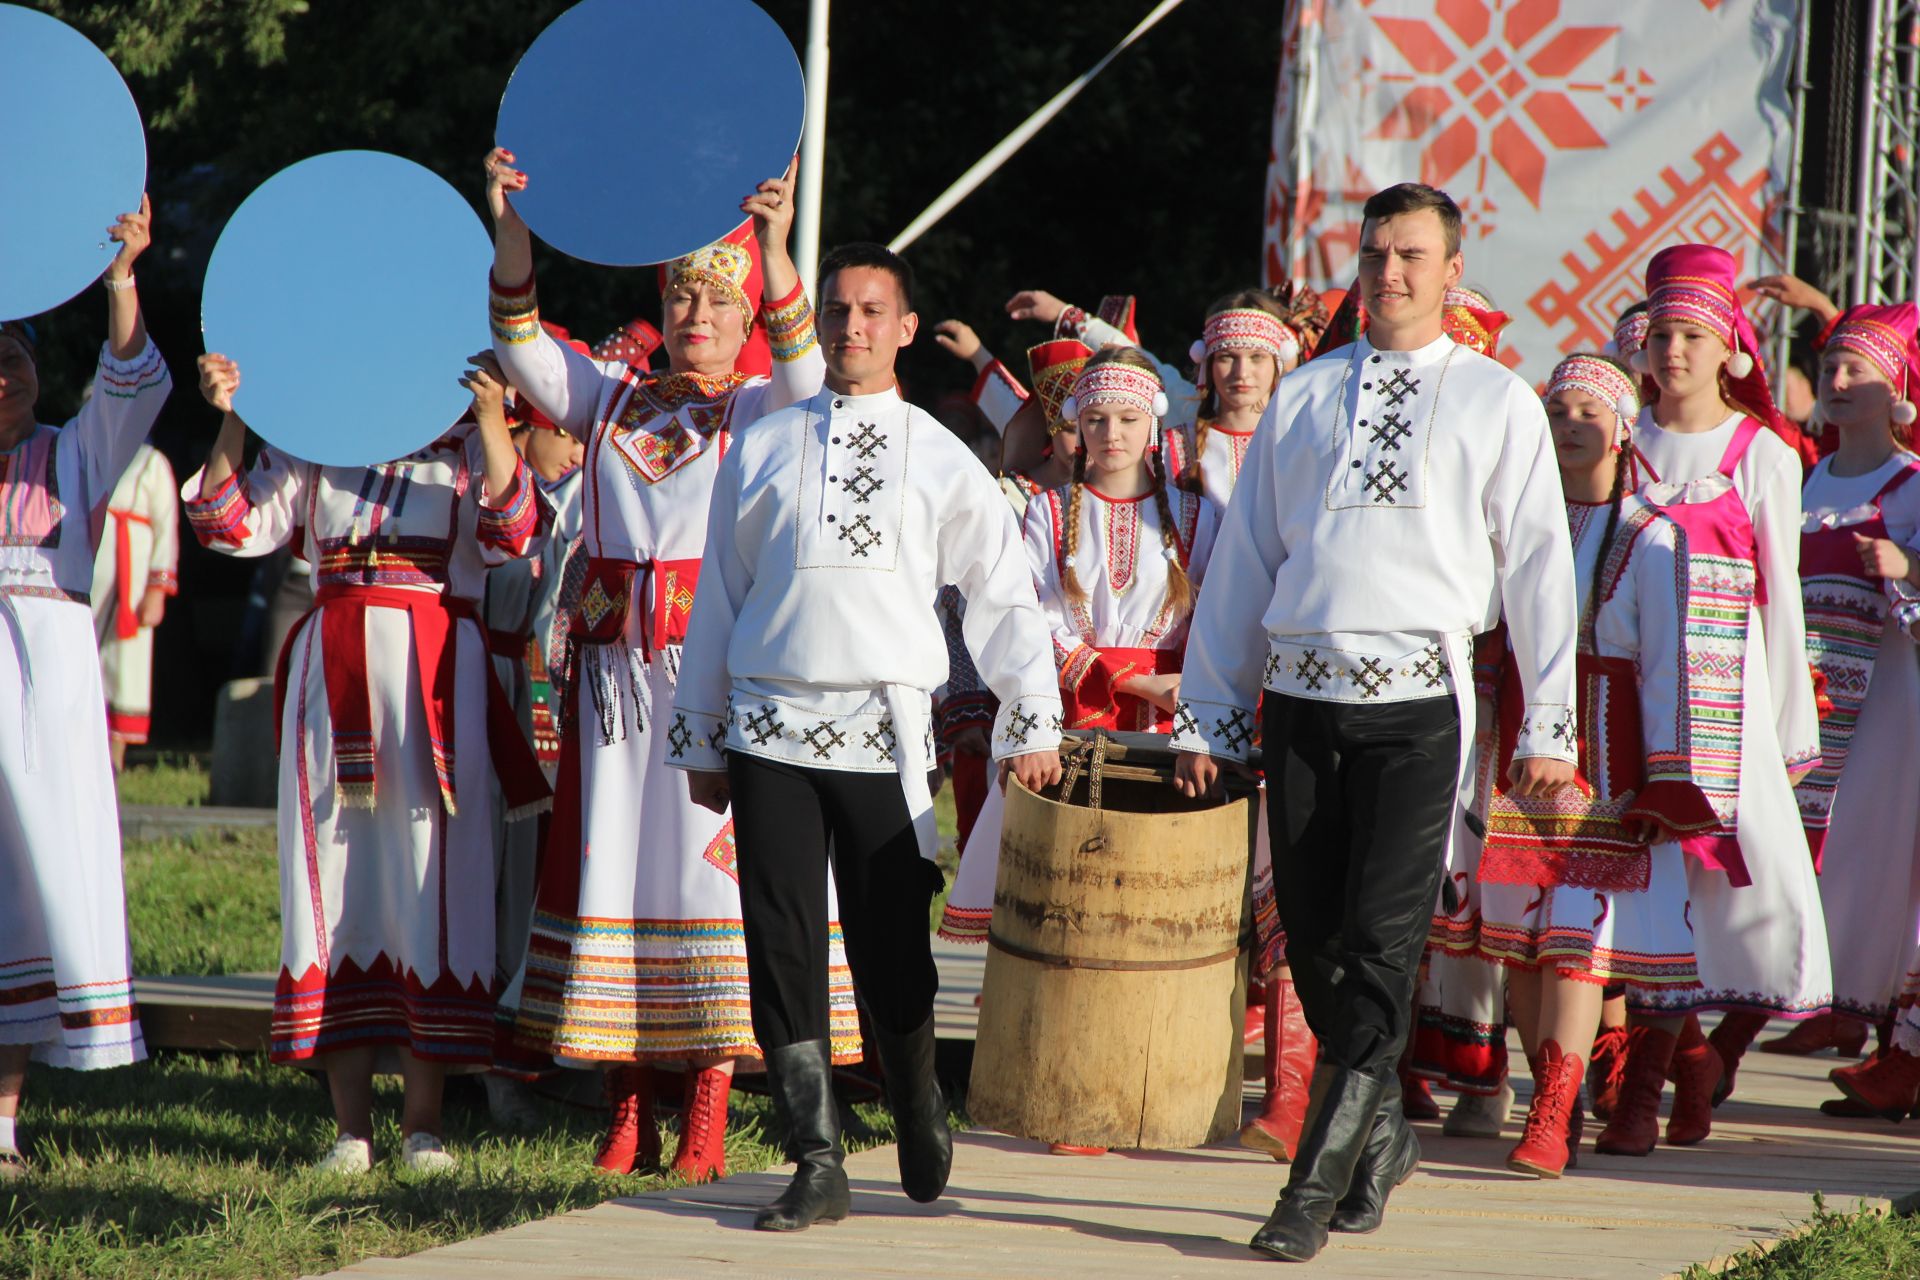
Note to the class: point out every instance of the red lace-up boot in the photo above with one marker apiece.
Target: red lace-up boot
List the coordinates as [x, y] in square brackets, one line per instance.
[1887, 1084]
[702, 1155]
[1635, 1126]
[1696, 1073]
[1547, 1144]
[1606, 1070]
[633, 1139]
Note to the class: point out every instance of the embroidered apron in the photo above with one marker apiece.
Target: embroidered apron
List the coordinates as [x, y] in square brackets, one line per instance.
[1580, 836]
[1723, 587]
[1846, 618]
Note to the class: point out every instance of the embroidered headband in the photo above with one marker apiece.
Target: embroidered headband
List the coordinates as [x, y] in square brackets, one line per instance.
[1630, 335]
[1598, 378]
[1883, 336]
[1117, 383]
[1245, 329]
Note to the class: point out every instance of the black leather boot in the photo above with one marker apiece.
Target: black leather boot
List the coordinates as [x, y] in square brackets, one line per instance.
[1340, 1112]
[801, 1080]
[925, 1146]
[1391, 1155]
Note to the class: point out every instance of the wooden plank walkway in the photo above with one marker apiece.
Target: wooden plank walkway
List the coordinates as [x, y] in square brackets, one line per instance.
[1013, 1210]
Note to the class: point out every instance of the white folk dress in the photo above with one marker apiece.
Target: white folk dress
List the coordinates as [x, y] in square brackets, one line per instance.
[1762, 946]
[391, 734]
[139, 552]
[1870, 872]
[638, 951]
[1124, 628]
[66, 979]
[1599, 935]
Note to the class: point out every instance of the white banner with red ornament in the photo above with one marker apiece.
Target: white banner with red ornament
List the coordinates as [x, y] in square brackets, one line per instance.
[1577, 136]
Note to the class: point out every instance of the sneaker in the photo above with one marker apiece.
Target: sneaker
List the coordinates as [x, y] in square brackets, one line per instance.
[422, 1153]
[349, 1155]
[1477, 1115]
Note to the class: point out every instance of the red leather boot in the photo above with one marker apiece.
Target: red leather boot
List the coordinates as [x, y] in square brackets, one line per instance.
[1887, 1084]
[1730, 1040]
[1826, 1031]
[702, 1155]
[1259, 1001]
[1606, 1070]
[1546, 1145]
[1635, 1126]
[633, 1139]
[1696, 1074]
[1291, 1051]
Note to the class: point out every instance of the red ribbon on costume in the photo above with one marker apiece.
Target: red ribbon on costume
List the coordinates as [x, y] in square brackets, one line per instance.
[434, 617]
[126, 623]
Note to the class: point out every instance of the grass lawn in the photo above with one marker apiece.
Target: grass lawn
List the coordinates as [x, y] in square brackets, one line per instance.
[1834, 1246]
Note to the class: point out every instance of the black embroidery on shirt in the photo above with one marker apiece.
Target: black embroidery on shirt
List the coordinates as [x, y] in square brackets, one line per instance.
[1183, 721]
[1235, 731]
[1370, 676]
[765, 726]
[679, 737]
[1272, 669]
[866, 442]
[1399, 388]
[860, 536]
[1311, 669]
[1430, 666]
[1391, 430]
[1385, 480]
[1020, 726]
[881, 741]
[824, 739]
[862, 485]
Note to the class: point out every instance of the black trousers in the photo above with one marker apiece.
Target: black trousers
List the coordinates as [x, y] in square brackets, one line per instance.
[787, 822]
[1360, 798]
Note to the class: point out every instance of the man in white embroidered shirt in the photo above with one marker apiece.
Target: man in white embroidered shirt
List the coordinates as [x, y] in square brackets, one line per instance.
[1396, 492]
[804, 701]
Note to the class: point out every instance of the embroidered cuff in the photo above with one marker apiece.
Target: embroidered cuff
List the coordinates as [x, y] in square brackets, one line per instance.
[126, 379]
[1074, 664]
[1547, 729]
[220, 516]
[514, 312]
[1213, 729]
[512, 524]
[163, 580]
[1802, 763]
[1029, 723]
[697, 740]
[963, 711]
[790, 325]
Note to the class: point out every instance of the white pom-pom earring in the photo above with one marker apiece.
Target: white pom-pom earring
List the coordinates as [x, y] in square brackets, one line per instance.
[1739, 364]
[1160, 405]
[1070, 408]
[1903, 413]
[1197, 352]
[1640, 361]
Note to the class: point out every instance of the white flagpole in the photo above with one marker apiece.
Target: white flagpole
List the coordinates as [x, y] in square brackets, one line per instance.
[987, 164]
[813, 149]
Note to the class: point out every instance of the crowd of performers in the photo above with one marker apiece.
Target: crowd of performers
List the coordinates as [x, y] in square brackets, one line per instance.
[611, 737]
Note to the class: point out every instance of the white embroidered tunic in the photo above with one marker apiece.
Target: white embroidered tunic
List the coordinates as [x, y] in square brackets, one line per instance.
[1391, 501]
[814, 639]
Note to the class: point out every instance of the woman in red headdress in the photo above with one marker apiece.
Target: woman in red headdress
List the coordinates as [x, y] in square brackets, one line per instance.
[638, 954]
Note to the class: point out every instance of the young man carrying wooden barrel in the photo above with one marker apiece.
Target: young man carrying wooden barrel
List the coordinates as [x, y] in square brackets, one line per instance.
[1399, 491]
[805, 702]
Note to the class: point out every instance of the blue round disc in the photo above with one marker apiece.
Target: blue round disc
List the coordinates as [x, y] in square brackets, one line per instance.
[74, 155]
[642, 124]
[350, 288]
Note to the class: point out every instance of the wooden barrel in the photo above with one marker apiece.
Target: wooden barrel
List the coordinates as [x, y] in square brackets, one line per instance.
[1116, 977]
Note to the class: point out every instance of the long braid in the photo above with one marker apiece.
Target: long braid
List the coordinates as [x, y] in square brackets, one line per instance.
[1179, 588]
[1069, 576]
[1190, 480]
[1606, 539]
